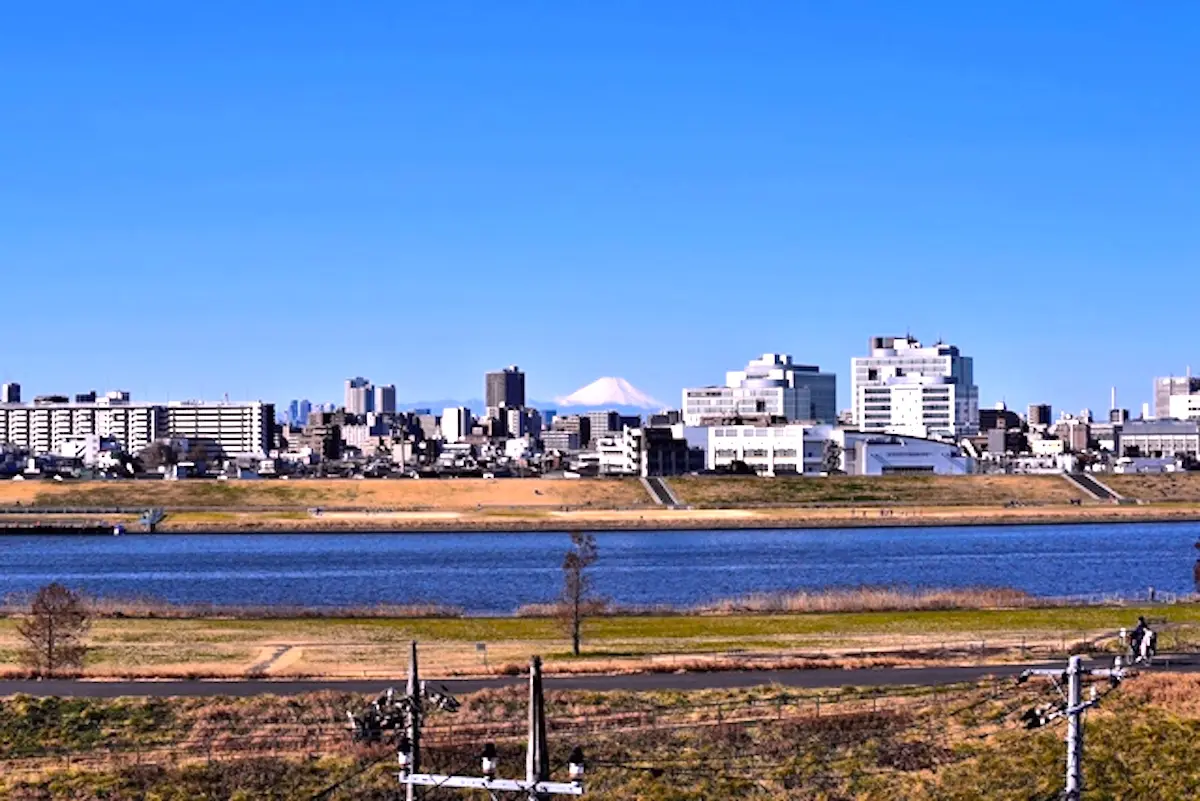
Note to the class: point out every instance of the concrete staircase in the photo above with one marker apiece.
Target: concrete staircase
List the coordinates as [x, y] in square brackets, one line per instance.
[1092, 487]
[660, 492]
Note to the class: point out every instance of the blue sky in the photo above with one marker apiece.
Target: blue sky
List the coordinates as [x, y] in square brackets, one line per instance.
[265, 198]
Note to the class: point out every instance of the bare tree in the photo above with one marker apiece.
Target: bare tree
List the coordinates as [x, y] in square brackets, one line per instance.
[577, 600]
[54, 629]
[831, 460]
[156, 455]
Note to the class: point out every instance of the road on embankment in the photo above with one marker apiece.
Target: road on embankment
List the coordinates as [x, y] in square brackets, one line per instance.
[805, 679]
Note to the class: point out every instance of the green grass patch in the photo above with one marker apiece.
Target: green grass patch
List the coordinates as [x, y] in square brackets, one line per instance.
[731, 628]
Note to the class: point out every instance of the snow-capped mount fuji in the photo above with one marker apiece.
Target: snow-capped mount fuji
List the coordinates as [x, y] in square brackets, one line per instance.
[608, 392]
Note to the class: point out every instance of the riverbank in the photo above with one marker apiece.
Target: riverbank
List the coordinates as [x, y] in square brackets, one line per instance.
[366, 647]
[648, 519]
[492, 505]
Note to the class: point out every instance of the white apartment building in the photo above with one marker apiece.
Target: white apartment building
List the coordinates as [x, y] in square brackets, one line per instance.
[620, 453]
[811, 450]
[224, 429]
[771, 385]
[905, 388]
[456, 423]
[48, 428]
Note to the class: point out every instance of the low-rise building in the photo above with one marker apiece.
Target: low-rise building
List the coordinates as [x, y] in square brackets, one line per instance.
[822, 449]
[1160, 439]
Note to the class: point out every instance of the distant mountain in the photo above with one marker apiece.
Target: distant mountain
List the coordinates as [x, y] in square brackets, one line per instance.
[604, 393]
[610, 392]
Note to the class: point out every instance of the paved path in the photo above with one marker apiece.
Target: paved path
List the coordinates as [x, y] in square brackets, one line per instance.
[808, 679]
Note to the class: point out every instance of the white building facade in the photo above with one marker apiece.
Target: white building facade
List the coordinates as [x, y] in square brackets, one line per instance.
[814, 450]
[49, 428]
[772, 385]
[1184, 407]
[224, 429]
[905, 388]
[456, 423]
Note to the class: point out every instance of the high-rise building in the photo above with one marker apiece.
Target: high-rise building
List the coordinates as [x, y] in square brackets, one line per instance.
[1038, 414]
[1170, 386]
[905, 388]
[385, 399]
[10, 393]
[456, 423]
[523, 422]
[504, 388]
[602, 423]
[360, 396]
[771, 385]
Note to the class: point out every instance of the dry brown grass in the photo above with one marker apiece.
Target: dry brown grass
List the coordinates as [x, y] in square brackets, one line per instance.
[1164, 488]
[1178, 693]
[727, 491]
[876, 599]
[150, 608]
[305, 494]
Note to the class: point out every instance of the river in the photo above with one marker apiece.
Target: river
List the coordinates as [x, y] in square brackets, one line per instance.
[496, 573]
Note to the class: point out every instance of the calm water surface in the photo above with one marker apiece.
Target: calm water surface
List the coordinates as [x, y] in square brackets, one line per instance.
[499, 572]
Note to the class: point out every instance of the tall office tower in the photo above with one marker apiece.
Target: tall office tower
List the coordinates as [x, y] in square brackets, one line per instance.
[905, 388]
[1169, 387]
[10, 393]
[771, 385]
[385, 399]
[1038, 414]
[504, 389]
[360, 396]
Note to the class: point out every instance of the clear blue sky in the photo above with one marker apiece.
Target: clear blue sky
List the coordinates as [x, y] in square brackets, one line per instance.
[265, 198]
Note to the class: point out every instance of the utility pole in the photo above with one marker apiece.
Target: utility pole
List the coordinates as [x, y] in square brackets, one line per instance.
[1073, 708]
[415, 713]
[537, 754]
[1074, 728]
[535, 787]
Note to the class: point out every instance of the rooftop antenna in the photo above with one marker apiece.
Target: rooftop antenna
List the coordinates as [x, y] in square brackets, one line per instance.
[1113, 404]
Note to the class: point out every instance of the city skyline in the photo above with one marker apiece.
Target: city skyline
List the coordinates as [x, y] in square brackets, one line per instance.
[398, 400]
[1002, 179]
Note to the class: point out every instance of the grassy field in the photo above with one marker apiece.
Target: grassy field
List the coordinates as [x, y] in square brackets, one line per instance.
[377, 646]
[1164, 488]
[956, 743]
[739, 492]
[305, 494]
